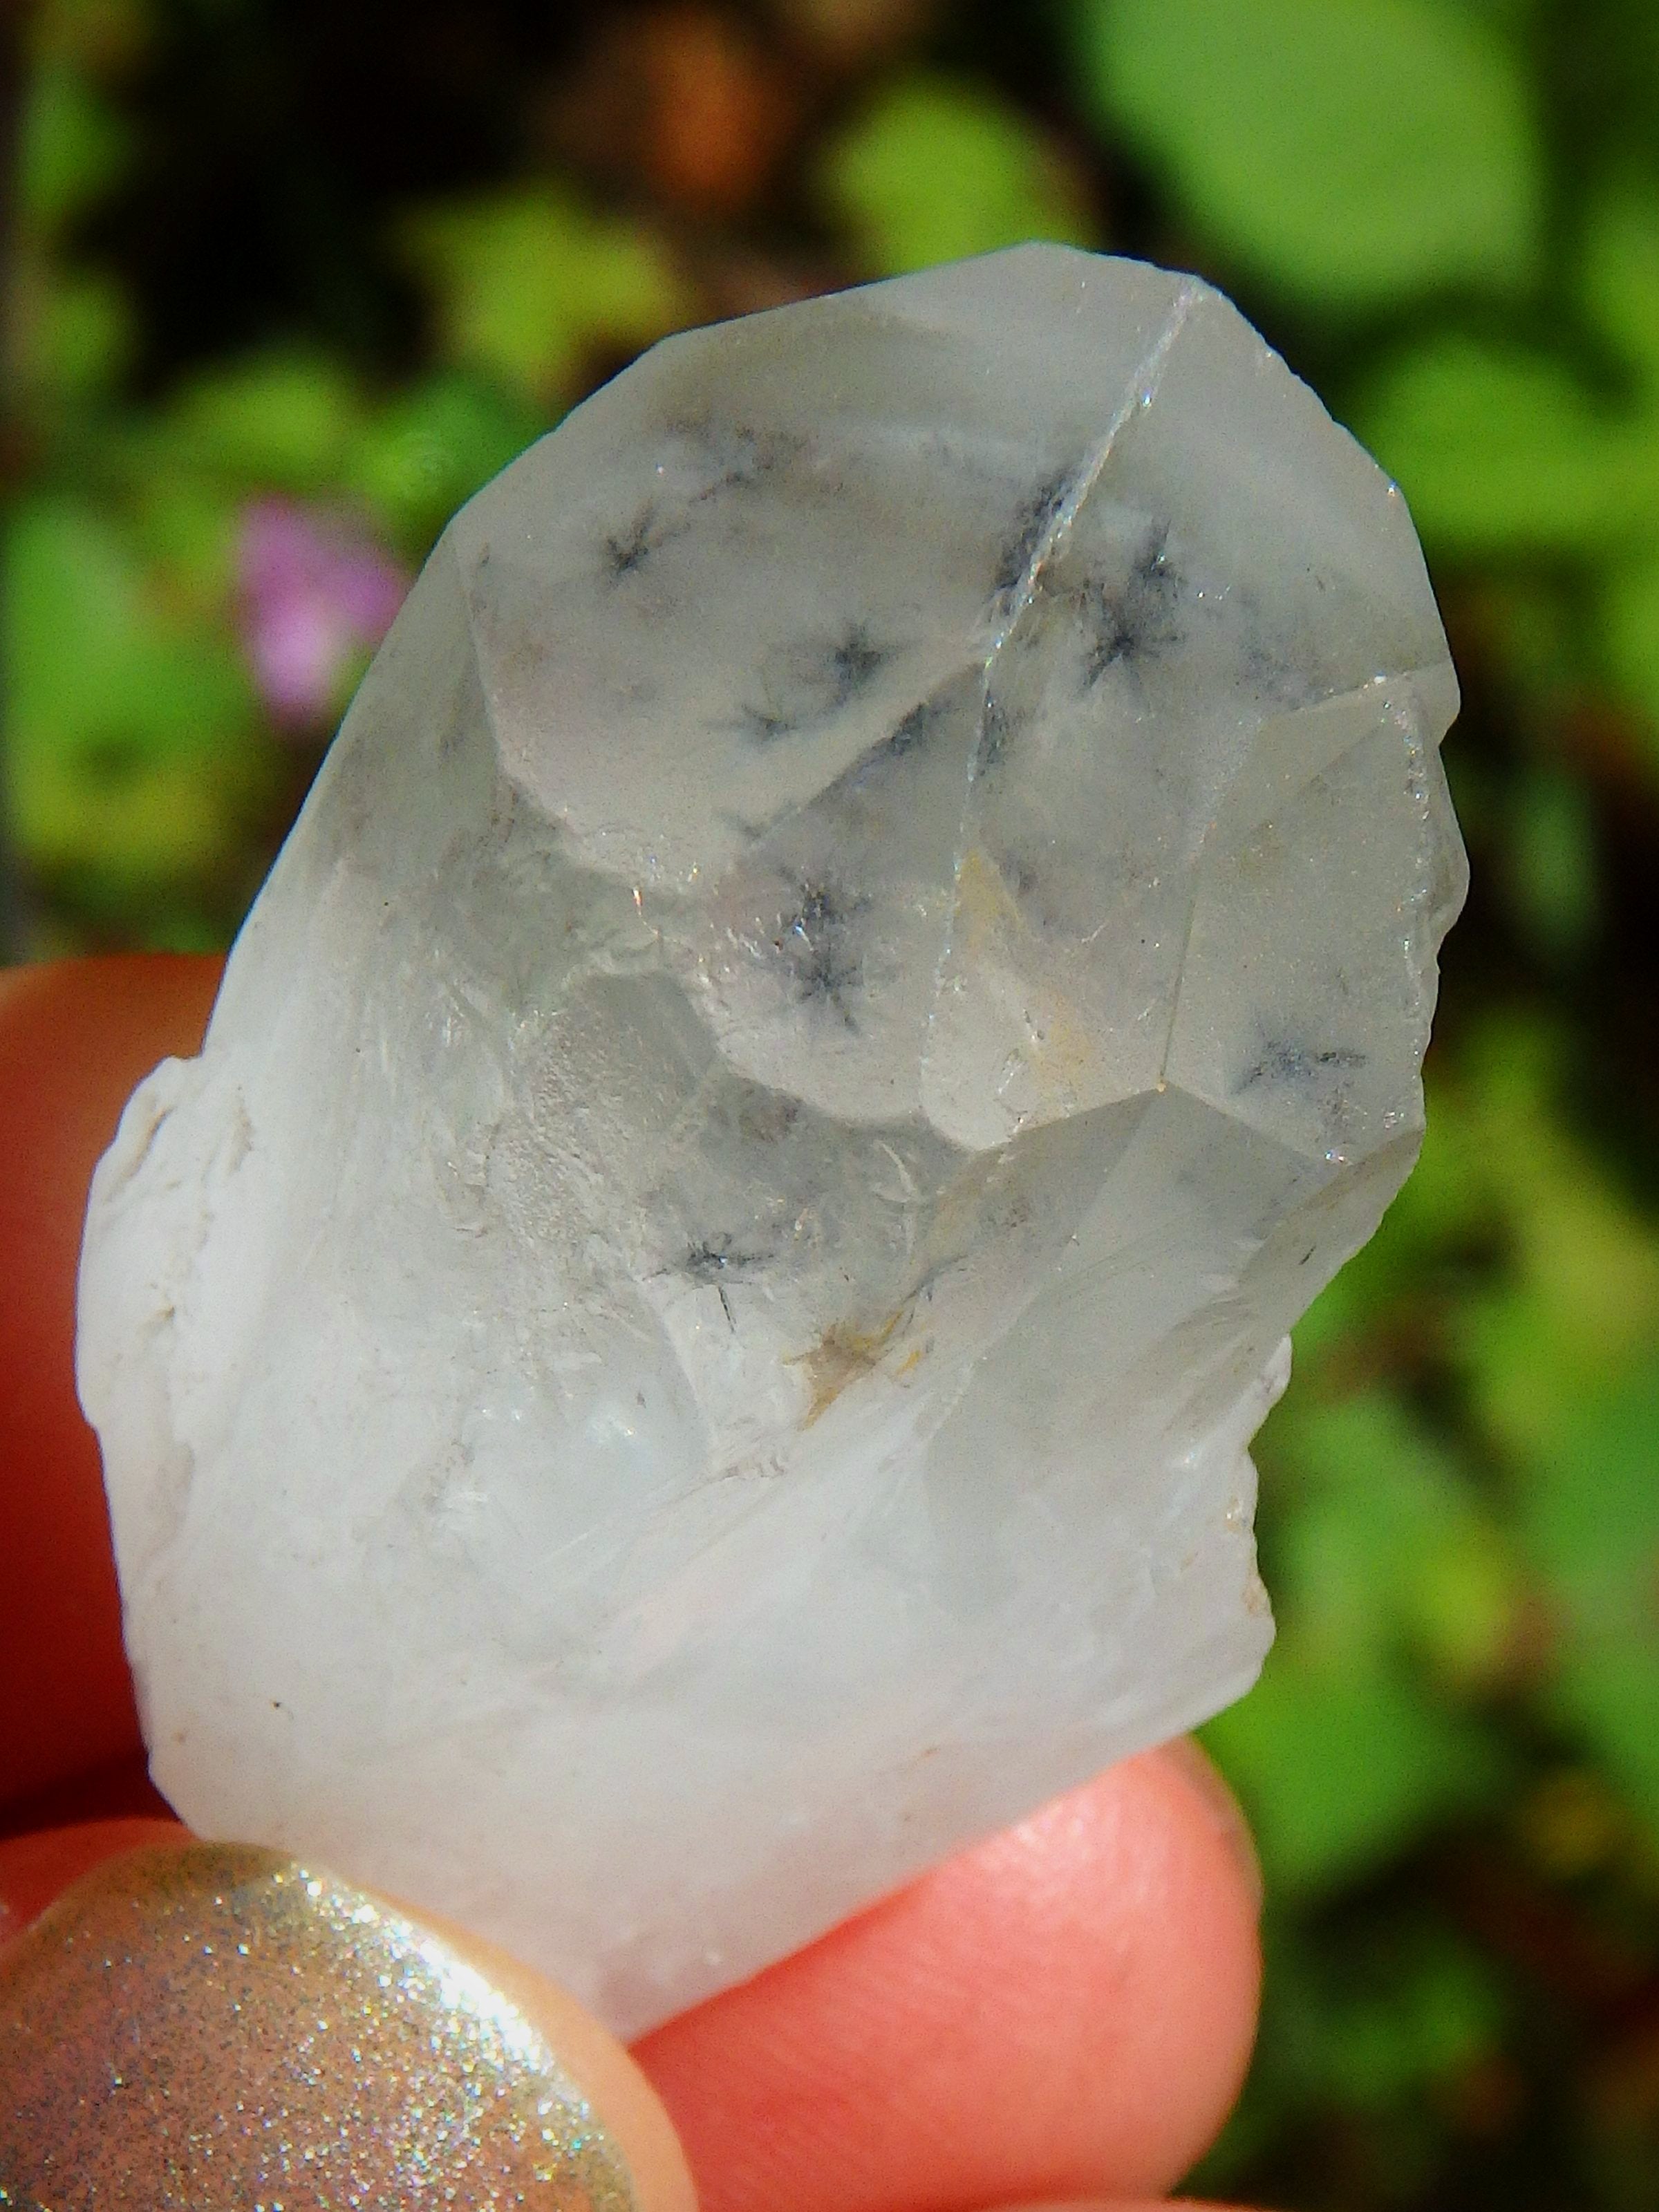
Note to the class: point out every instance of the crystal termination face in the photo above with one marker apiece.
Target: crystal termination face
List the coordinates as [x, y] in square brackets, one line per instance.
[689, 1343]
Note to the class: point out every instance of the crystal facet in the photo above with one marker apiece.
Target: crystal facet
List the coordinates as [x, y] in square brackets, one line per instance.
[689, 1343]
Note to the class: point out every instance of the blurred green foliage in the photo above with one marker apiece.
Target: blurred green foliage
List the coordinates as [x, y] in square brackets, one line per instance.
[524, 282]
[291, 263]
[935, 171]
[1355, 152]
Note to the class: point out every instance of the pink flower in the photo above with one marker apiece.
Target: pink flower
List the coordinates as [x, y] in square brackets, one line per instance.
[318, 594]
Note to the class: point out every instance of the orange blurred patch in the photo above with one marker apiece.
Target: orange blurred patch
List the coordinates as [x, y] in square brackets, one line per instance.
[685, 97]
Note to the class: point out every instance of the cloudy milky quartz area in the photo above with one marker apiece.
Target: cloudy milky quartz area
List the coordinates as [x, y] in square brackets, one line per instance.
[688, 1345]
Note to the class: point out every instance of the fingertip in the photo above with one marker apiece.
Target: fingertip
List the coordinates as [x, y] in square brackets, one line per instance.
[1194, 1765]
[1140, 1901]
[223, 2018]
[76, 1036]
[1163, 1839]
[1120, 2205]
[1066, 2008]
[37, 1868]
[607, 2072]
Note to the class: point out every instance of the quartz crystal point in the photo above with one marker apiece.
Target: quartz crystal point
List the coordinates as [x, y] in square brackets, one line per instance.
[689, 1341]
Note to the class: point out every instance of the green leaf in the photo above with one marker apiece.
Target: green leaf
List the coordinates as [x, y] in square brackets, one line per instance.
[83, 339]
[1354, 151]
[72, 147]
[1620, 274]
[1502, 451]
[1340, 1768]
[129, 729]
[1577, 1304]
[1393, 1585]
[1388, 1550]
[935, 171]
[432, 446]
[1430, 2007]
[1443, 1201]
[524, 284]
[1591, 1516]
[276, 421]
[188, 529]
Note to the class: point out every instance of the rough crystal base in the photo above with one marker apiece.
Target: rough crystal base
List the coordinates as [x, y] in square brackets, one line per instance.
[688, 1343]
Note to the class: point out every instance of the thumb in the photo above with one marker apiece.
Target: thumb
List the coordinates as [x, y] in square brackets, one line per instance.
[218, 2025]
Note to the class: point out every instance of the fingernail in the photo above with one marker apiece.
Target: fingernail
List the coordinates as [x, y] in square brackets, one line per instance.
[1204, 1777]
[217, 2025]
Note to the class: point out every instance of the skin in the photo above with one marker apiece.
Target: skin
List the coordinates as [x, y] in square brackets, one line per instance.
[1062, 2016]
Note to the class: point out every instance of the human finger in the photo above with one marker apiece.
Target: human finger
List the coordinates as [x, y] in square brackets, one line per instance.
[954, 1963]
[75, 1038]
[216, 2023]
[1065, 2010]
[1066, 2007]
[39, 1864]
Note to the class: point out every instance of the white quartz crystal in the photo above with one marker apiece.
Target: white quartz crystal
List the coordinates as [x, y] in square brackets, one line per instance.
[689, 1341]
